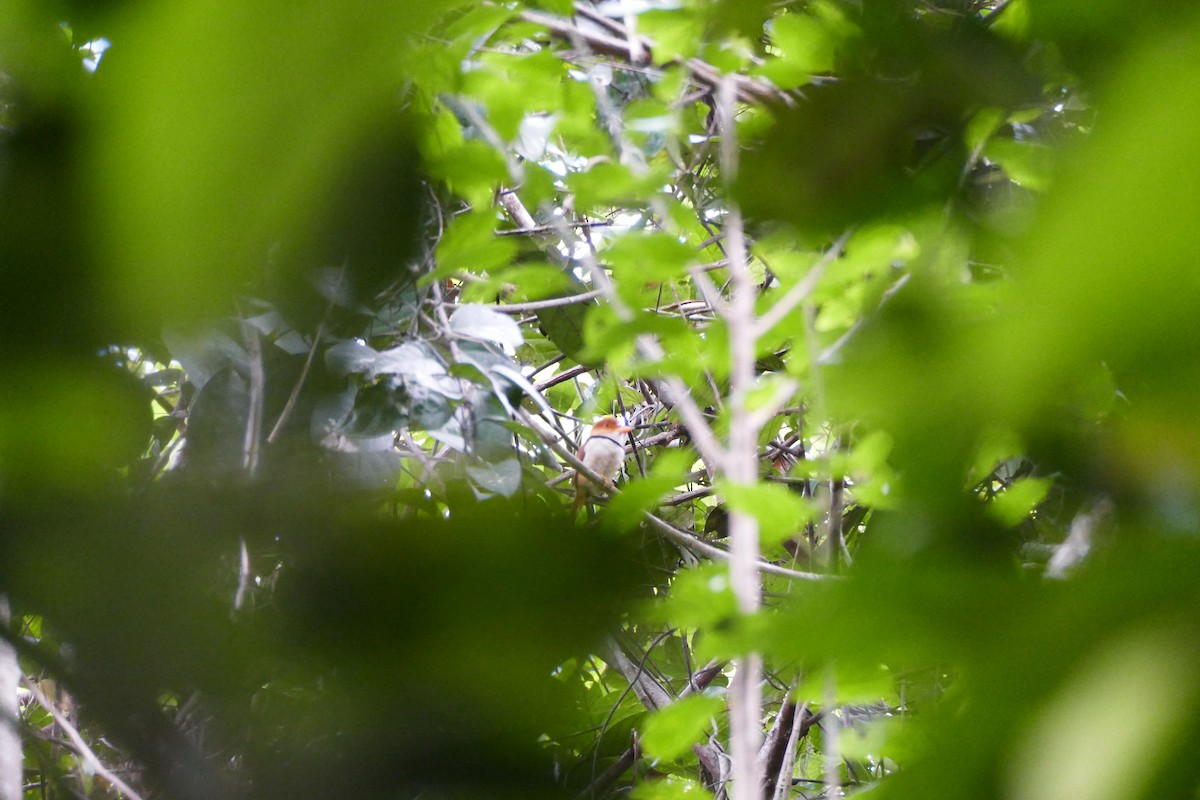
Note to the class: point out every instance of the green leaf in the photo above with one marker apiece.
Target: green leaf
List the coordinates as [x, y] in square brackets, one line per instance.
[472, 170]
[670, 788]
[479, 21]
[1028, 164]
[564, 326]
[981, 127]
[536, 282]
[204, 164]
[1079, 744]
[676, 32]
[471, 245]
[781, 513]
[806, 46]
[701, 597]
[670, 732]
[609, 183]
[566, 7]
[1014, 504]
[625, 510]
[641, 258]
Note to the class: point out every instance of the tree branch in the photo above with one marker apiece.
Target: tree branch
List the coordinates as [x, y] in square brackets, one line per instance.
[802, 288]
[741, 467]
[81, 746]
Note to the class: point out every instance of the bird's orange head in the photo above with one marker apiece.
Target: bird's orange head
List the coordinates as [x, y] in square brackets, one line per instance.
[608, 426]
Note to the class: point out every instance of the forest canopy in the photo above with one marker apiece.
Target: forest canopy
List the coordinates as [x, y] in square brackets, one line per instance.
[308, 311]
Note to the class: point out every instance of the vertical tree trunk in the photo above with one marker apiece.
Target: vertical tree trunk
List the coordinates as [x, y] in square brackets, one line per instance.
[11, 760]
[741, 467]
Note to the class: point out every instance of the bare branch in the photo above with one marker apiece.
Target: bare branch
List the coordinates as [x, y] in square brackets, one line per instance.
[802, 289]
[81, 746]
[749, 90]
[741, 466]
[648, 690]
[291, 401]
[699, 681]
[538, 305]
[254, 414]
[701, 547]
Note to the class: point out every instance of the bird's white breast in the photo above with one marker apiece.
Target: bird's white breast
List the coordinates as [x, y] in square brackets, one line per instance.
[604, 455]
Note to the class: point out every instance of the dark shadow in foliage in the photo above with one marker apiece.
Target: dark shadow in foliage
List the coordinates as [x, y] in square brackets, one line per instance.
[886, 136]
[393, 658]
[363, 239]
[47, 304]
[438, 640]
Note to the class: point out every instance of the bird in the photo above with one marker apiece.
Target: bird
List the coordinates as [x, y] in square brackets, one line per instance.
[602, 452]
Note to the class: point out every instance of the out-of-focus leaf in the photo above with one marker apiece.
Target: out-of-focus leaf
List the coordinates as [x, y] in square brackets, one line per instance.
[648, 257]
[1029, 164]
[625, 510]
[473, 170]
[1014, 504]
[351, 357]
[701, 597]
[191, 174]
[670, 788]
[670, 732]
[1083, 745]
[780, 512]
[470, 245]
[805, 46]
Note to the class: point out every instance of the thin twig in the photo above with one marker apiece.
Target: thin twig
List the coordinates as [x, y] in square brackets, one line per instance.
[607, 778]
[749, 90]
[291, 401]
[600, 223]
[563, 376]
[96, 764]
[801, 289]
[802, 721]
[538, 305]
[254, 414]
[700, 547]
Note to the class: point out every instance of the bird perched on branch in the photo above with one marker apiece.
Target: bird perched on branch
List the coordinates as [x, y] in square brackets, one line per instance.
[602, 452]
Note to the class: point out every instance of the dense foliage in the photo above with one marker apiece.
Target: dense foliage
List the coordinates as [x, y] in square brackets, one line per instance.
[307, 309]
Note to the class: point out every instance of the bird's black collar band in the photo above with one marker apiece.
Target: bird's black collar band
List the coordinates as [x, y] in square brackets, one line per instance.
[617, 442]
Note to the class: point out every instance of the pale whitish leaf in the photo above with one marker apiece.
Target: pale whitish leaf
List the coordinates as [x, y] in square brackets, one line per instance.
[451, 434]
[481, 322]
[418, 364]
[266, 323]
[520, 380]
[503, 478]
[331, 411]
[293, 344]
[670, 732]
[350, 356]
